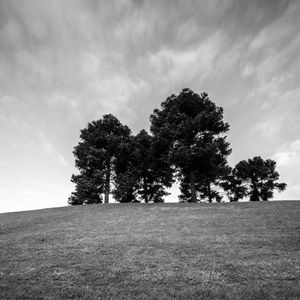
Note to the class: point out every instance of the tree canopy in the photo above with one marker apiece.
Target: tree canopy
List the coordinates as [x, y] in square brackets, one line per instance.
[147, 174]
[191, 128]
[100, 154]
[187, 142]
[260, 178]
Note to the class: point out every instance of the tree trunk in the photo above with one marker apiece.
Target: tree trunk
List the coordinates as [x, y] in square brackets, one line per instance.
[107, 183]
[193, 188]
[255, 193]
[146, 198]
[209, 193]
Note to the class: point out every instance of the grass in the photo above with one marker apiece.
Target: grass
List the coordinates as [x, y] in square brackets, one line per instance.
[153, 251]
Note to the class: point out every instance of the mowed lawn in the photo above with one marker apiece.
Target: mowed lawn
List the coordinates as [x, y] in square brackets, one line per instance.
[152, 251]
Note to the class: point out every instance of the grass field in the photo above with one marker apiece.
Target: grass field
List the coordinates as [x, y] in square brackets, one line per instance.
[153, 251]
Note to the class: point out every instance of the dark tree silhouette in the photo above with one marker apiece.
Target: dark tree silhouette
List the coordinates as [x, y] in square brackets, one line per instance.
[87, 190]
[188, 140]
[147, 174]
[153, 171]
[259, 178]
[234, 186]
[99, 156]
[208, 187]
[191, 128]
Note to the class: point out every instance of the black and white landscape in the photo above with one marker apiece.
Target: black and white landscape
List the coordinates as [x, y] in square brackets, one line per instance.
[66, 63]
[141, 144]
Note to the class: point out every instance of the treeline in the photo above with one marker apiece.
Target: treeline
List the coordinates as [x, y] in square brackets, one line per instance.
[187, 142]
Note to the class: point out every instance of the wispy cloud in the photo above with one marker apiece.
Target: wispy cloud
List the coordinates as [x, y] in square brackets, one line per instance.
[288, 154]
[50, 150]
[288, 161]
[268, 129]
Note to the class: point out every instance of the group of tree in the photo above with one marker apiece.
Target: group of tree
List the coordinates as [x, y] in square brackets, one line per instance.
[187, 142]
[108, 155]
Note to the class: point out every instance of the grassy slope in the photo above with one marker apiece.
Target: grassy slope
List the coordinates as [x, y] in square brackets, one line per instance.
[185, 251]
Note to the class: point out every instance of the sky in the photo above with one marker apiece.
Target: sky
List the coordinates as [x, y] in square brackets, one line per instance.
[66, 63]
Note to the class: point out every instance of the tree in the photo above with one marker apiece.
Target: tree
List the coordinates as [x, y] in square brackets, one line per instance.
[207, 188]
[125, 179]
[260, 178]
[234, 186]
[153, 171]
[99, 155]
[191, 128]
[125, 185]
[147, 173]
[87, 190]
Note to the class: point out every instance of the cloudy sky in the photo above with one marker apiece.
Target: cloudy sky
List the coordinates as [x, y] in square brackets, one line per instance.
[65, 63]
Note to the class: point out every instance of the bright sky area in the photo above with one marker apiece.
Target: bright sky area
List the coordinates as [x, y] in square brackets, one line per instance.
[66, 63]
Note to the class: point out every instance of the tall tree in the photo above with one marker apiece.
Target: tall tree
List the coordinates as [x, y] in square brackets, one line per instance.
[125, 187]
[147, 174]
[153, 171]
[234, 186]
[207, 187]
[100, 152]
[87, 190]
[260, 177]
[125, 176]
[191, 127]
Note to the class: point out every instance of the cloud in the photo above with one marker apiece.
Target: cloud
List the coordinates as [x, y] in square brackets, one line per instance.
[274, 71]
[288, 162]
[268, 129]
[288, 154]
[276, 45]
[173, 65]
[274, 59]
[280, 119]
[23, 127]
[271, 36]
[50, 150]
[285, 158]
[248, 70]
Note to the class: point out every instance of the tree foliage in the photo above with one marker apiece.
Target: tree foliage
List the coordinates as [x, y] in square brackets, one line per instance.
[153, 171]
[147, 174]
[191, 127]
[100, 155]
[87, 190]
[187, 141]
[234, 186]
[260, 176]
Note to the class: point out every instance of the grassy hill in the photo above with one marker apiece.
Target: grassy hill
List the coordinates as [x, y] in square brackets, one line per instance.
[153, 251]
